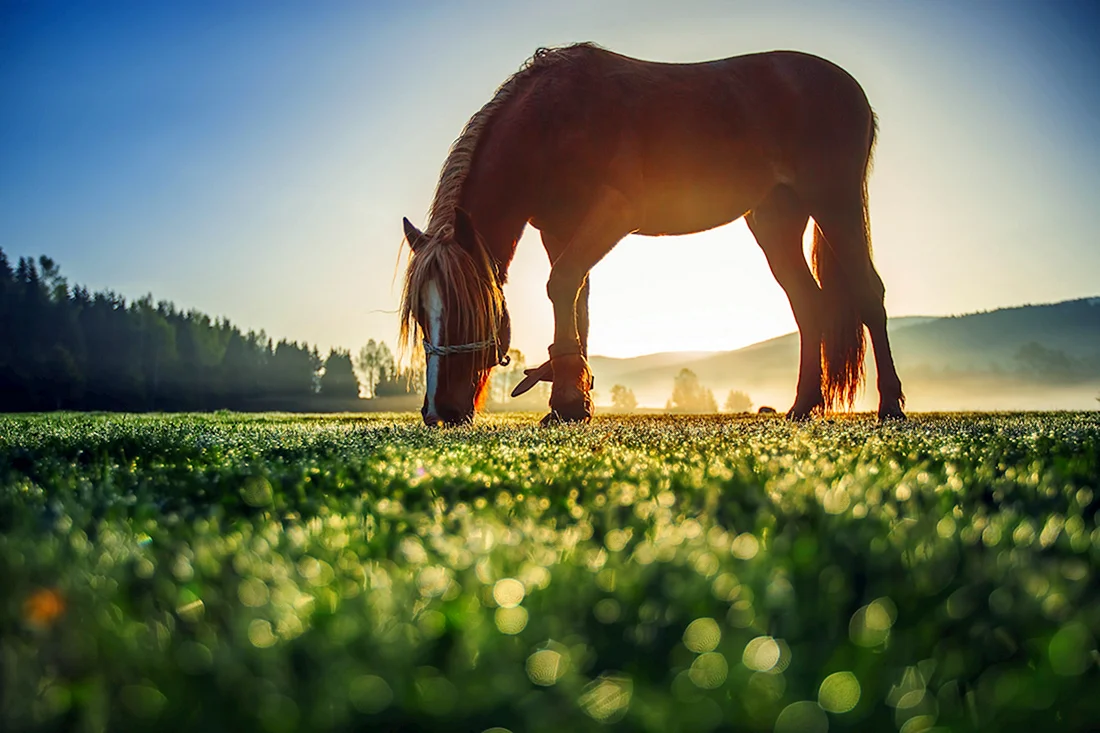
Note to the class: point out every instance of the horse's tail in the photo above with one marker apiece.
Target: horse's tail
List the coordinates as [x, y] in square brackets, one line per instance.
[838, 270]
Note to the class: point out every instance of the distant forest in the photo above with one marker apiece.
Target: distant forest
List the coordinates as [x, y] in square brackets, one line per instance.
[62, 347]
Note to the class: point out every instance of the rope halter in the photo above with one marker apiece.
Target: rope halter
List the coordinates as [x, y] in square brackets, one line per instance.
[433, 350]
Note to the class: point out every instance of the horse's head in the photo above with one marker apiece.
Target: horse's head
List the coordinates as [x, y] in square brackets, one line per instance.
[453, 303]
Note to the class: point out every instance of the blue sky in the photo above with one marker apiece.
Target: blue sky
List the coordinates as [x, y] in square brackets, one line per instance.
[254, 160]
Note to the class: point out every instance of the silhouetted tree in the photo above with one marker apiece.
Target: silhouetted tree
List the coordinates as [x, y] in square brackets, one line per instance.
[338, 379]
[690, 396]
[399, 382]
[295, 370]
[738, 401]
[622, 399]
[8, 378]
[374, 362]
[381, 376]
[63, 347]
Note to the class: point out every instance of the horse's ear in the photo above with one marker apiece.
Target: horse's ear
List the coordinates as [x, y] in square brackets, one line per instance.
[414, 235]
[465, 233]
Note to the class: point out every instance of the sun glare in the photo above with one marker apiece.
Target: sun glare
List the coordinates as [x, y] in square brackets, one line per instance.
[711, 291]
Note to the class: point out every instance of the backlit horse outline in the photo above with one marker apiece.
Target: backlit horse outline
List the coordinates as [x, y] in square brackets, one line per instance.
[589, 146]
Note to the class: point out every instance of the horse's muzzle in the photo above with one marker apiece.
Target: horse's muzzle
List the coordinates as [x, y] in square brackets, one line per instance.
[446, 418]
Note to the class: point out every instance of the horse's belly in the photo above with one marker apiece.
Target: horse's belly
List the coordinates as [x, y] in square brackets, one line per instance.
[690, 207]
[689, 186]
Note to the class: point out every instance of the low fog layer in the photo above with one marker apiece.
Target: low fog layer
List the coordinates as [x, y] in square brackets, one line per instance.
[1035, 357]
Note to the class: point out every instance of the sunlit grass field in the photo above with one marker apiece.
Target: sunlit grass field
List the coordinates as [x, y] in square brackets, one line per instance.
[283, 573]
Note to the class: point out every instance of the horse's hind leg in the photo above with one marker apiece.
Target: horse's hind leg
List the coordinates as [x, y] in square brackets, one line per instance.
[842, 225]
[891, 398]
[778, 223]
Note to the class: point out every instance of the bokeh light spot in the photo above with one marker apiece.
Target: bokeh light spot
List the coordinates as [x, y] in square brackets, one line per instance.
[702, 635]
[433, 581]
[741, 613]
[918, 724]
[432, 624]
[252, 592]
[369, 693]
[945, 528]
[839, 692]
[260, 633]
[607, 698]
[1071, 650]
[709, 670]
[836, 501]
[745, 546]
[726, 587]
[761, 654]
[43, 607]
[607, 611]
[508, 592]
[802, 717]
[511, 620]
[257, 492]
[545, 667]
[870, 625]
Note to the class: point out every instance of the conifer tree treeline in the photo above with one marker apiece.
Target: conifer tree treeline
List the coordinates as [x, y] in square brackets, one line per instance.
[62, 347]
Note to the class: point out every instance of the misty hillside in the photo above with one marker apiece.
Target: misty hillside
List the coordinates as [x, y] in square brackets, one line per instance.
[1029, 357]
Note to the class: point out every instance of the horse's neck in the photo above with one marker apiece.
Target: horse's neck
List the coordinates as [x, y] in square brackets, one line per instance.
[500, 229]
[498, 196]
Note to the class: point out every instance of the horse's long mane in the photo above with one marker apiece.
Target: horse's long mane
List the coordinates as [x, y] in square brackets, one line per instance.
[471, 280]
[449, 190]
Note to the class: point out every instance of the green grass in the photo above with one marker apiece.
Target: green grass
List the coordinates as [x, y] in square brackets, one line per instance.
[281, 573]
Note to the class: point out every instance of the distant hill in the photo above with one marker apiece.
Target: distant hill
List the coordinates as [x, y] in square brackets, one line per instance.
[1028, 357]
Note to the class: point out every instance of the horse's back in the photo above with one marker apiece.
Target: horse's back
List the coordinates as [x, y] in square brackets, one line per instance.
[693, 145]
[770, 99]
[590, 68]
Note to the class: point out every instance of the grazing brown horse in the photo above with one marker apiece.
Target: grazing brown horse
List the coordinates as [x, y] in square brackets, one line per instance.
[589, 146]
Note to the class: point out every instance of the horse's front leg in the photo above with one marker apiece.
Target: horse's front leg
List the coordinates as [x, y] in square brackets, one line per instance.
[603, 227]
[555, 244]
[582, 315]
[545, 372]
[570, 394]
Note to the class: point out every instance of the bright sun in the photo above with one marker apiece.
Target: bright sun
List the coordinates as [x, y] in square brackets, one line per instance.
[702, 292]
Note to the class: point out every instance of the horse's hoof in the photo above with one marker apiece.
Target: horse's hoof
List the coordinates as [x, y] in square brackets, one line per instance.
[893, 414]
[802, 411]
[569, 414]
